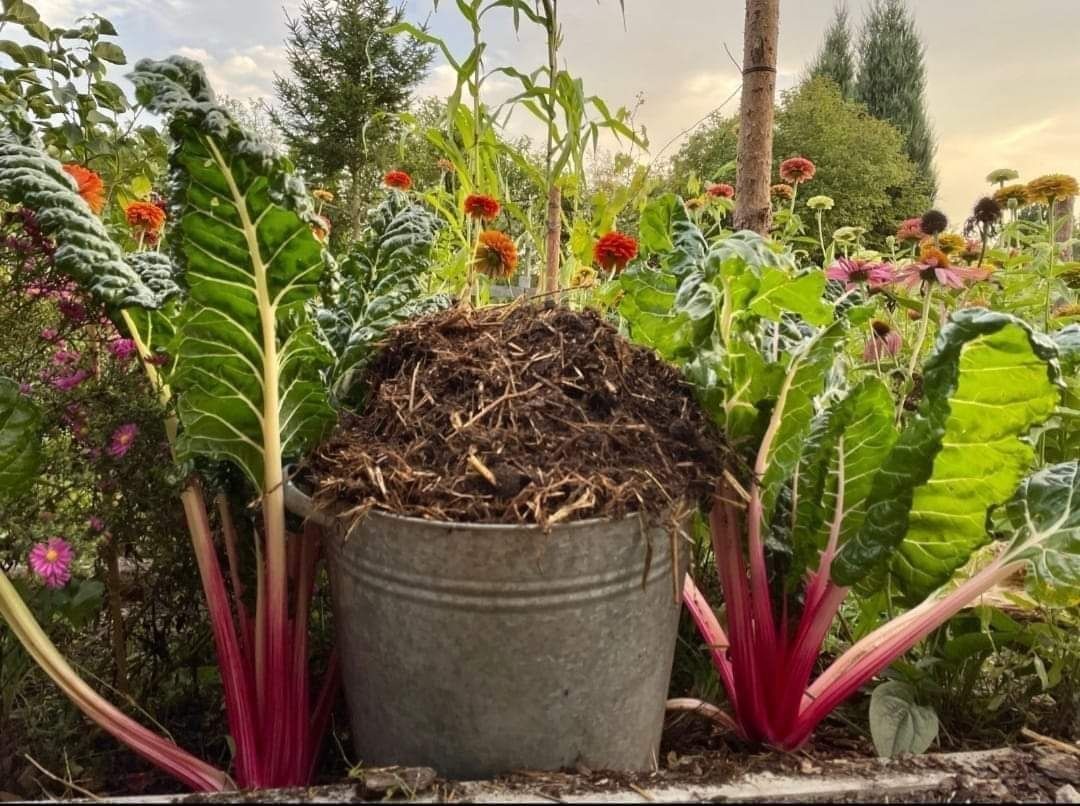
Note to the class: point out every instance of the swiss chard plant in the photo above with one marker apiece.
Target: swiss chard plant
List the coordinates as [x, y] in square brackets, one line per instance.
[253, 373]
[838, 494]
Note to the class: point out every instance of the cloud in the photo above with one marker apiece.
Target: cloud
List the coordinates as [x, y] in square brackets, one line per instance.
[241, 74]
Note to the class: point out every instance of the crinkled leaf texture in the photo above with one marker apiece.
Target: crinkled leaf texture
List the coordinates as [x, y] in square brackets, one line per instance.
[84, 251]
[840, 458]
[20, 439]
[1045, 512]
[381, 285]
[793, 414]
[988, 381]
[247, 360]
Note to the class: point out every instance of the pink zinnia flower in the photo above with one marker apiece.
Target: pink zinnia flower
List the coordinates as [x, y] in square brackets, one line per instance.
[910, 230]
[51, 561]
[25, 389]
[722, 190]
[797, 170]
[853, 273]
[97, 524]
[122, 349]
[883, 342]
[49, 334]
[65, 383]
[122, 440]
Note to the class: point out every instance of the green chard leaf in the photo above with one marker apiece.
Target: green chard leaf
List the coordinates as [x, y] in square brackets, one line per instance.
[988, 381]
[248, 361]
[1045, 512]
[793, 414]
[849, 440]
[20, 439]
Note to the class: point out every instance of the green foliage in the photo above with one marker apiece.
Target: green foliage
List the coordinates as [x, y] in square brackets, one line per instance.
[20, 439]
[897, 723]
[44, 91]
[963, 453]
[382, 281]
[247, 353]
[892, 80]
[836, 59]
[348, 72]
[860, 160]
[1045, 514]
[840, 459]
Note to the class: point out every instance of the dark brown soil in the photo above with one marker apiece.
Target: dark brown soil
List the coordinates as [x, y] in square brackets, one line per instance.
[522, 415]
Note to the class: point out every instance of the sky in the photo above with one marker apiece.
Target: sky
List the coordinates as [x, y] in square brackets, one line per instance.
[1001, 75]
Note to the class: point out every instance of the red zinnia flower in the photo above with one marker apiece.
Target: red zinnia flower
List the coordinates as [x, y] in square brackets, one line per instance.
[399, 180]
[797, 169]
[484, 208]
[614, 250]
[496, 255]
[722, 190]
[145, 216]
[91, 188]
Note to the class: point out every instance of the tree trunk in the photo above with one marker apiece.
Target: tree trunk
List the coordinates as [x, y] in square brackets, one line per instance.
[554, 239]
[753, 206]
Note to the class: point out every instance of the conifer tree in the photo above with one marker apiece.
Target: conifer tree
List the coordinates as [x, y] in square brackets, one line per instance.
[892, 79]
[345, 73]
[836, 59]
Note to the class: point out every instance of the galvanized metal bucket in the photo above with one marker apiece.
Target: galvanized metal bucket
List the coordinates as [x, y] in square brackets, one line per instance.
[479, 649]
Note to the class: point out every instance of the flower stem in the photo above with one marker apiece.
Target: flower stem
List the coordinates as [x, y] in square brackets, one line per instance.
[1050, 268]
[916, 351]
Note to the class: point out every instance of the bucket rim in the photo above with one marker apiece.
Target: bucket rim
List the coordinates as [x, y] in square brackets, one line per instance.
[300, 503]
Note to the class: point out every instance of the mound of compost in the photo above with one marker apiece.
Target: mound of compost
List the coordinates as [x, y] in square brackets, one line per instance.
[519, 415]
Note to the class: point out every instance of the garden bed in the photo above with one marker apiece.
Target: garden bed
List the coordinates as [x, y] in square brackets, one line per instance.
[1030, 774]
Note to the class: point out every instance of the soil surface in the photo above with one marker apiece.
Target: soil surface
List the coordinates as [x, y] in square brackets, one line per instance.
[1026, 774]
[521, 415]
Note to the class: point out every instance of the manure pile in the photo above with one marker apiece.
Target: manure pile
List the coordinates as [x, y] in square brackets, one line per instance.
[519, 415]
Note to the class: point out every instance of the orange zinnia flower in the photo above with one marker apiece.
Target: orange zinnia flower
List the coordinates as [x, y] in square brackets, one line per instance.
[782, 191]
[399, 180]
[145, 216]
[614, 250]
[496, 255]
[722, 190]
[321, 229]
[483, 207]
[91, 188]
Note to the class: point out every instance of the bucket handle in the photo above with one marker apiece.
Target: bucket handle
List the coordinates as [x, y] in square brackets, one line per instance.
[300, 503]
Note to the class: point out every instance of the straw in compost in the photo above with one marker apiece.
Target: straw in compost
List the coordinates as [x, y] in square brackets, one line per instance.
[520, 415]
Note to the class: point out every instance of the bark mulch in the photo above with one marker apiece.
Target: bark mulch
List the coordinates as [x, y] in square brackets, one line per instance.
[520, 414]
